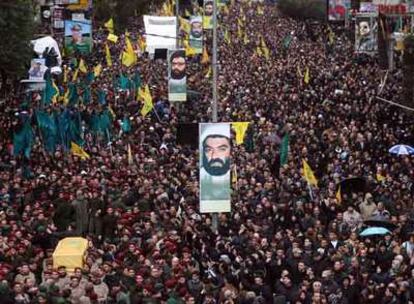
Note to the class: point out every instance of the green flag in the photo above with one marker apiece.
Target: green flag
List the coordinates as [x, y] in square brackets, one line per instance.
[126, 125]
[23, 140]
[284, 150]
[49, 92]
[123, 82]
[48, 129]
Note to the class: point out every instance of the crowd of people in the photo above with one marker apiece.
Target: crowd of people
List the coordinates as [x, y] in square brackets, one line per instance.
[282, 242]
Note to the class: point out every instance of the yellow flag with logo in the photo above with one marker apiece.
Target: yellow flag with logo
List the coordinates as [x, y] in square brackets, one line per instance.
[145, 94]
[97, 70]
[189, 51]
[308, 174]
[240, 128]
[185, 25]
[82, 67]
[108, 55]
[113, 38]
[78, 151]
[110, 25]
[129, 57]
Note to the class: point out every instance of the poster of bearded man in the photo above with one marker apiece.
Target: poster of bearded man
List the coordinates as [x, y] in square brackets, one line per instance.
[177, 79]
[196, 33]
[215, 156]
[366, 33]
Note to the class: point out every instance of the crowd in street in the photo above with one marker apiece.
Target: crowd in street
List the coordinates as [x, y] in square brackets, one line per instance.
[282, 243]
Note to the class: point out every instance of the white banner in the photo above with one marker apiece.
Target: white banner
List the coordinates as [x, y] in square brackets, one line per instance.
[215, 159]
[161, 32]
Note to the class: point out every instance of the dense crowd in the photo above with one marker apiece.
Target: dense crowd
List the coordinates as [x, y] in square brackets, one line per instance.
[282, 243]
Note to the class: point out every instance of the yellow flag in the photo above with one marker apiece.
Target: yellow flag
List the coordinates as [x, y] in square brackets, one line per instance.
[112, 37]
[240, 128]
[147, 98]
[78, 151]
[226, 37]
[75, 75]
[339, 195]
[189, 51]
[308, 174]
[129, 57]
[108, 55]
[66, 97]
[97, 70]
[110, 25]
[185, 25]
[265, 50]
[56, 95]
[380, 177]
[82, 67]
[259, 51]
[204, 58]
[306, 78]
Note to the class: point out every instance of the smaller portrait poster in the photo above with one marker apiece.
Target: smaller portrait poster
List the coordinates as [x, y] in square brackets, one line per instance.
[208, 15]
[177, 79]
[196, 33]
[215, 161]
[37, 69]
[366, 33]
[78, 37]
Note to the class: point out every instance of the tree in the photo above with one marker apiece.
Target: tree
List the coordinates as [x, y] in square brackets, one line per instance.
[121, 10]
[303, 9]
[16, 31]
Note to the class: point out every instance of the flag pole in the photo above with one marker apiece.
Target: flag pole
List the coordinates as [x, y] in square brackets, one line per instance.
[177, 27]
[214, 221]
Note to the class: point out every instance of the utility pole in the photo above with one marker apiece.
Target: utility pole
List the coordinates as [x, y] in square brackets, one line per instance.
[214, 103]
[214, 62]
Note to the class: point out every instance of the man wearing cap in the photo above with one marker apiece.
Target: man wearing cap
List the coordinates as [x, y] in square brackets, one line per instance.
[76, 42]
[196, 33]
